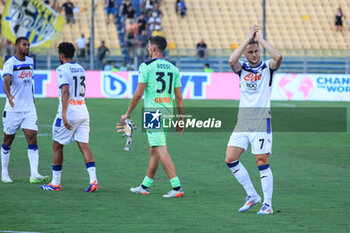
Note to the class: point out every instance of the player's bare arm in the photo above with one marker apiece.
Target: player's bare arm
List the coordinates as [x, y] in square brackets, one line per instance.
[65, 102]
[135, 100]
[275, 54]
[180, 107]
[236, 55]
[7, 89]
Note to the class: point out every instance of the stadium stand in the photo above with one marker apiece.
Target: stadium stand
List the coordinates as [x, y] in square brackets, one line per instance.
[302, 29]
[103, 31]
[297, 24]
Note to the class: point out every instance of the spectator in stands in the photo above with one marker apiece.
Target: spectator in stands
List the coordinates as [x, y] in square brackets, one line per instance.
[182, 8]
[154, 23]
[143, 6]
[81, 44]
[156, 9]
[177, 6]
[55, 5]
[88, 47]
[10, 50]
[108, 66]
[142, 23]
[114, 67]
[68, 9]
[142, 41]
[148, 6]
[102, 53]
[123, 66]
[111, 5]
[123, 11]
[339, 15]
[130, 39]
[202, 51]
[207, 68]
[130, 16]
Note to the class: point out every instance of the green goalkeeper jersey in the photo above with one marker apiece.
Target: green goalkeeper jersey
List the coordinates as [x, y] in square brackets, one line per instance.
[161, 77]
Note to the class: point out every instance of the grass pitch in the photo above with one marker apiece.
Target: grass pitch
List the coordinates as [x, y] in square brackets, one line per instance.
[311, 181]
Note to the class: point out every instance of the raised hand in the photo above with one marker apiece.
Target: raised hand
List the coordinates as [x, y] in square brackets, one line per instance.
[253, 31]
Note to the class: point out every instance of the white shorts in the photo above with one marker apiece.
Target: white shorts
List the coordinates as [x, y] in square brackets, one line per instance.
[257, 132]
[79, 132]
[12, 120]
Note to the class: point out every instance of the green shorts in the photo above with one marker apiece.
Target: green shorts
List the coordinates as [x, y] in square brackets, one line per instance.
[156, 138]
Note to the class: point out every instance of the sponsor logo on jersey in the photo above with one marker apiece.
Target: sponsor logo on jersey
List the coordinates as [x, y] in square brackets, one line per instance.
[26, 74]
[251, 86]
[76, 102]
[251, 77]
[162, 100]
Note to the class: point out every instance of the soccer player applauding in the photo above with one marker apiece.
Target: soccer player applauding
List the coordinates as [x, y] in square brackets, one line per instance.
[254, 117]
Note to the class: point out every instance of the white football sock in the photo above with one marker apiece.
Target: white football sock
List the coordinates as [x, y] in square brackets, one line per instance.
[267, 184]
[56, 174]
[5, 159]
[33, 156]
[92, 174]
[242, 176]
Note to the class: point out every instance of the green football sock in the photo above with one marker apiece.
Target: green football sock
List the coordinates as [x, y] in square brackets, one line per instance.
[175, 182]
[147, 182]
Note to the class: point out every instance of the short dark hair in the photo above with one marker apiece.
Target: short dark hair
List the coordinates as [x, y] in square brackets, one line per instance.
[67, 49]
[158, 41]
[207, 65]
[19, 39]
[253, 42]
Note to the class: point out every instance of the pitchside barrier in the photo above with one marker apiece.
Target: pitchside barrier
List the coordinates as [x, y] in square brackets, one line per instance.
[286, 86]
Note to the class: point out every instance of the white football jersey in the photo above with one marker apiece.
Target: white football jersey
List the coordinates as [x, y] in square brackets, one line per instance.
[73, 75]
[21, 73]
[256, 88]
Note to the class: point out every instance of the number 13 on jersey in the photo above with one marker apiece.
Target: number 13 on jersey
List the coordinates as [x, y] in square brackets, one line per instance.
[79, 86]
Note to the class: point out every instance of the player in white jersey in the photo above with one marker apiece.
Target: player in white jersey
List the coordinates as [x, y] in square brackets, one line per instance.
[254, 118]
[72, 122]
[20, 110]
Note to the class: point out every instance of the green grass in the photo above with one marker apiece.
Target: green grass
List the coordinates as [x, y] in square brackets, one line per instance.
[311, 181]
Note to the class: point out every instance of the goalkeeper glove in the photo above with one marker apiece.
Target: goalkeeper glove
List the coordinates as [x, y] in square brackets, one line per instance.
[127, 128]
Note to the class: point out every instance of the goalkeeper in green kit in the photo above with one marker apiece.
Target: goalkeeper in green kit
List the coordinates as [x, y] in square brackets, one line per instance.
[158, 80]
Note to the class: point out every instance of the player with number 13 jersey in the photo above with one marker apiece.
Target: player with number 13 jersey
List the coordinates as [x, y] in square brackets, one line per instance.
[73, 75]
[72, 122]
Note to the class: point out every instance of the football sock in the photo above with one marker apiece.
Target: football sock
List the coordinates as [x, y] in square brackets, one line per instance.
[266, 183]
[242, 176]
[33, 156]
[90, 167]
[56, 174]
[147, 182]
[5, 159]
[175, 183]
